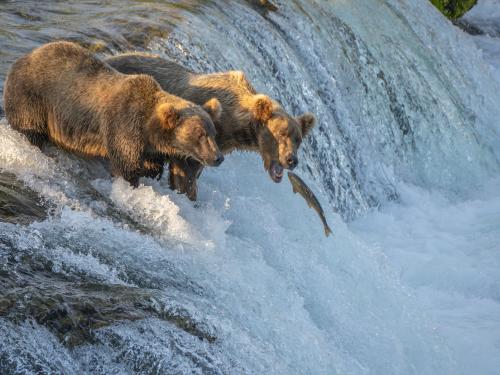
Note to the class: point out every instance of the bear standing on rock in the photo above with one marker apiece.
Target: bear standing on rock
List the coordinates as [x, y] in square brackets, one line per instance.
[62, 93]
[249, 121]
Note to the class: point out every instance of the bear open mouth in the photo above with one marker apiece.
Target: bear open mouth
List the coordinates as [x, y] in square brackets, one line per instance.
[276, 172]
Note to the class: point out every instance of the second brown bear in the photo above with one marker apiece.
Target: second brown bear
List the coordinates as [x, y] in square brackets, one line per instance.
[249, 121]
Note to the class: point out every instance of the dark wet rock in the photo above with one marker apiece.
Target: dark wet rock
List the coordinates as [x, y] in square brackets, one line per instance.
[468, 27]
[27, 15]
[73, 306]
[74, 310]
[489, 27]
[18, 203]
[266, 5]
[140, 34]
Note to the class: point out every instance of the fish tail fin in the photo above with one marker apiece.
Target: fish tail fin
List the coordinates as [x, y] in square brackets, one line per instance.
[328, 231]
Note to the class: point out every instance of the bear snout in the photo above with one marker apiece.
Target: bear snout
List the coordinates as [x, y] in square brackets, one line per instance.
[291, 161]
[212, 155]
[218, 159]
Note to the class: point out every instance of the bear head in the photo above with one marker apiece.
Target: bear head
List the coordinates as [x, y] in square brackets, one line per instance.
[184, 129]
[279, 135]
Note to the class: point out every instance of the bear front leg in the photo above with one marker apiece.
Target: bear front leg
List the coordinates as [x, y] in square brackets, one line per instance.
[183, 174]
[126, 161]
[35, 138]
[153, 167]
[133, 180]
[129, 175]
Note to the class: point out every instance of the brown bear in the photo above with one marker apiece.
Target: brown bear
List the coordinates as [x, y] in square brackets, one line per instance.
[63, 93]
[249, 121]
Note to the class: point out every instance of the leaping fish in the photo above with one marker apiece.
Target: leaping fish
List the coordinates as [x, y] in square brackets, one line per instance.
[300, 187]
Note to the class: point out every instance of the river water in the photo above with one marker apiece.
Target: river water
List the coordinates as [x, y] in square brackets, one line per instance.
[405, 160]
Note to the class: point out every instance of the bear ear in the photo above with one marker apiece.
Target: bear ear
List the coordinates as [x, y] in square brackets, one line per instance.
[213, 108]
[307, 122]
[262, 108]
[168, 115]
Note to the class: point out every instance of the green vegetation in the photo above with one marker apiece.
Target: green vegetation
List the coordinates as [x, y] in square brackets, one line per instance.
[454, 9]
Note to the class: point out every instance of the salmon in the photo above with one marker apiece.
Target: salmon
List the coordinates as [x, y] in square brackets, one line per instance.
[300, 187]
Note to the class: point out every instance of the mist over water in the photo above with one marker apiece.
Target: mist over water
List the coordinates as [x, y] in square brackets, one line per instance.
[404, 159]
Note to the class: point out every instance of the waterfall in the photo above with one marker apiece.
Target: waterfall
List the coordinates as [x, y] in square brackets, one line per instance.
[405, 160]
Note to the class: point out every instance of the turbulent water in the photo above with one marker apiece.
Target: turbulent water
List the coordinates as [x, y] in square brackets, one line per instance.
[405, 160]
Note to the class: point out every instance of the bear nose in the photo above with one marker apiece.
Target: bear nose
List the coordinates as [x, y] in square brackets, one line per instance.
[218, 160]
[292, 161]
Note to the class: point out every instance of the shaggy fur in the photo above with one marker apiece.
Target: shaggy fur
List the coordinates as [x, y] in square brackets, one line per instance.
[62, 93]
[249, 121]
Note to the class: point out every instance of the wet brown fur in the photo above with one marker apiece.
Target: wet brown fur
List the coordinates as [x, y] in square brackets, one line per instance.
[62, 93]
[248, 121]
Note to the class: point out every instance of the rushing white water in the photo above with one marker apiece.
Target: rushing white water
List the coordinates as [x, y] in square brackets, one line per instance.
[485, 18]
[408, 124]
